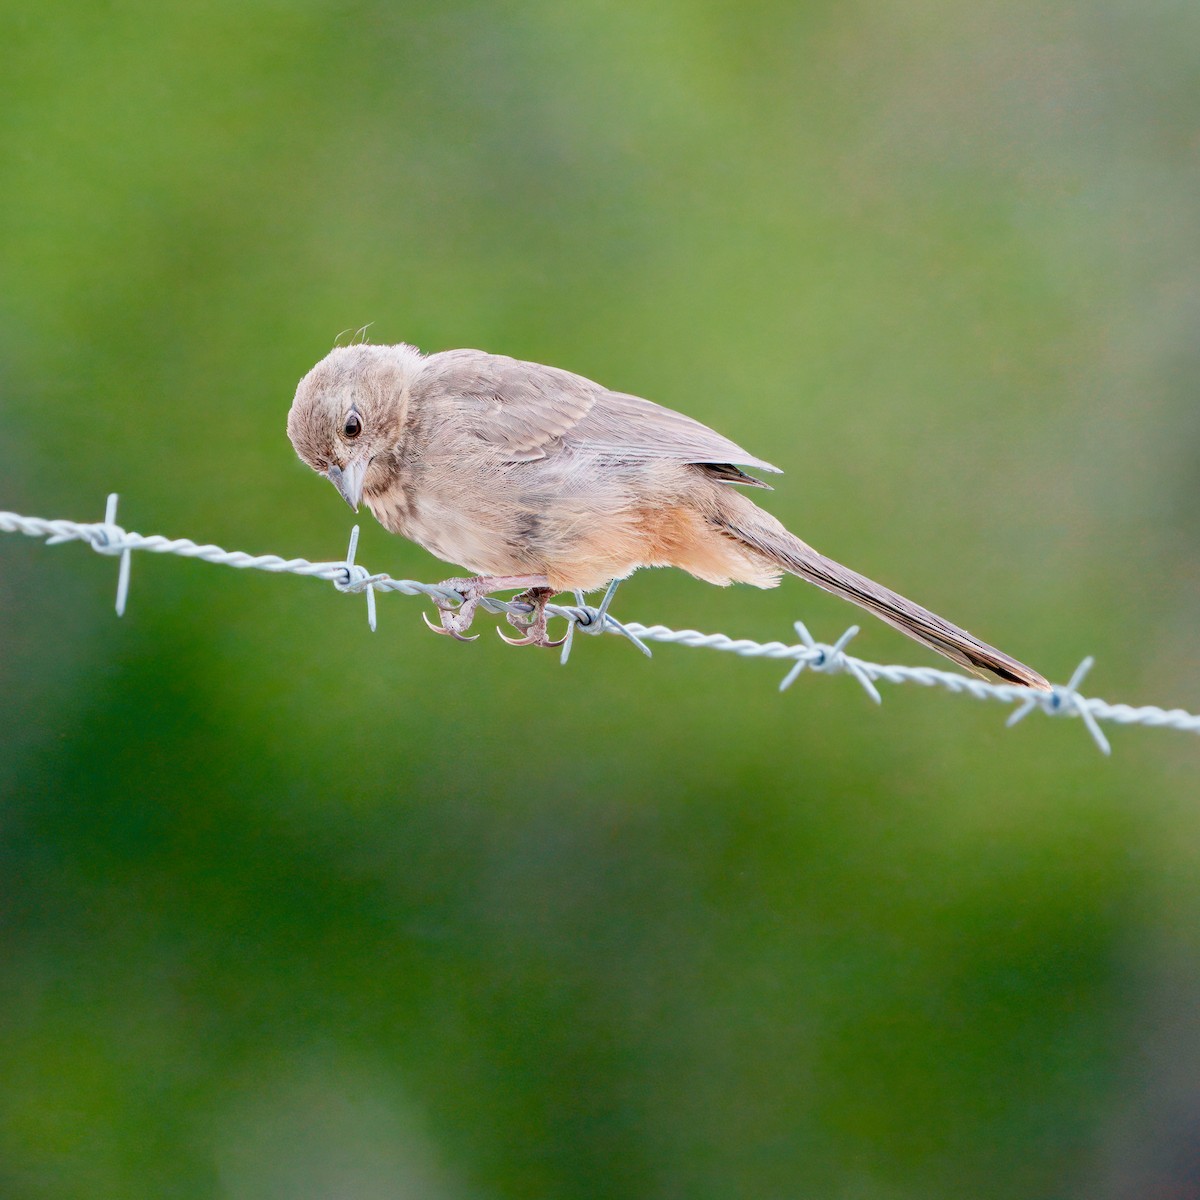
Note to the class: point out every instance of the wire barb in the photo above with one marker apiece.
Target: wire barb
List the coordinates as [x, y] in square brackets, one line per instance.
[110, 538]
[358, 579]
[1064, 700]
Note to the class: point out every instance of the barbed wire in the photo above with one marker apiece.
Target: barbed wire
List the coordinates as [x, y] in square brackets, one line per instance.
[1064, 700]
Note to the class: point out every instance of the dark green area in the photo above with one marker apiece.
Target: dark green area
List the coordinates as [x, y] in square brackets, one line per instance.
[291, 910]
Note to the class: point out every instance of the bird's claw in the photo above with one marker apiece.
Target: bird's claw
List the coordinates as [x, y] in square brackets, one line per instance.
[447, 628]
[531, 639]
[532, 627]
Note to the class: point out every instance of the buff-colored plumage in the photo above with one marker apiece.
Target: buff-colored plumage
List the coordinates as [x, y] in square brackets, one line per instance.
[530, 476]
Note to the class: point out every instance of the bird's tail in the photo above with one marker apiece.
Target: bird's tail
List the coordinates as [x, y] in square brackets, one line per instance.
[764, 534]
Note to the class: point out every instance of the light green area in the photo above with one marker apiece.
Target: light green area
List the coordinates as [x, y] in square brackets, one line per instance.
[291, 910]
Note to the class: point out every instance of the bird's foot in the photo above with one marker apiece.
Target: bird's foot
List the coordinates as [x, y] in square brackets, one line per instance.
[532, 627]
[456, 618]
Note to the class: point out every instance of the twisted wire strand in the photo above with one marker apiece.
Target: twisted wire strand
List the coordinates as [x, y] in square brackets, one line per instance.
[1065, 700]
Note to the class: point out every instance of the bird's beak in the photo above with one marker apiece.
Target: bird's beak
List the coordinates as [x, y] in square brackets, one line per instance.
[349, 481]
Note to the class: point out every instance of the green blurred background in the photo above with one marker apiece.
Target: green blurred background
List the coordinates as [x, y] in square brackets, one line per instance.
[293, 910]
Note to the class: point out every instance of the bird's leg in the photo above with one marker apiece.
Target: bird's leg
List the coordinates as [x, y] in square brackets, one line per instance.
[456, 619]
[532, 627]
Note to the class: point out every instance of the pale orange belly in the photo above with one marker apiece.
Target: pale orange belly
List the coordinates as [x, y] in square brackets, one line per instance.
[666, 537]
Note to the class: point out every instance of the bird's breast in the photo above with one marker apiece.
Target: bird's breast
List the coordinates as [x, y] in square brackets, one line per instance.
[471, 528]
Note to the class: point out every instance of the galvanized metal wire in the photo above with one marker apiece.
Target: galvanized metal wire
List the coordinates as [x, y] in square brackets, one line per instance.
[1065, 700]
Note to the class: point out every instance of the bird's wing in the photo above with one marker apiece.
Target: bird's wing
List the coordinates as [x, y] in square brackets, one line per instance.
[528, 412]
[630, 427]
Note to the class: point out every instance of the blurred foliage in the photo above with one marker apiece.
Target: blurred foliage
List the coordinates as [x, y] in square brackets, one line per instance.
[290, 910]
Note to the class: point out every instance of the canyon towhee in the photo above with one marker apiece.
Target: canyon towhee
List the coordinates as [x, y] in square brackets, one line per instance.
[534, 478]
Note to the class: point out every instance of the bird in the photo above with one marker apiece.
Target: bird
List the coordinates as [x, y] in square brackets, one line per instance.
[534, 478]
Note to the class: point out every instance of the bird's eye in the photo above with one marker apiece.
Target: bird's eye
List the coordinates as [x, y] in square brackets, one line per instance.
[353, 426]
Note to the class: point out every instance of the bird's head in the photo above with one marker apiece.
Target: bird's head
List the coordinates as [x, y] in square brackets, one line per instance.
[348, 415]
